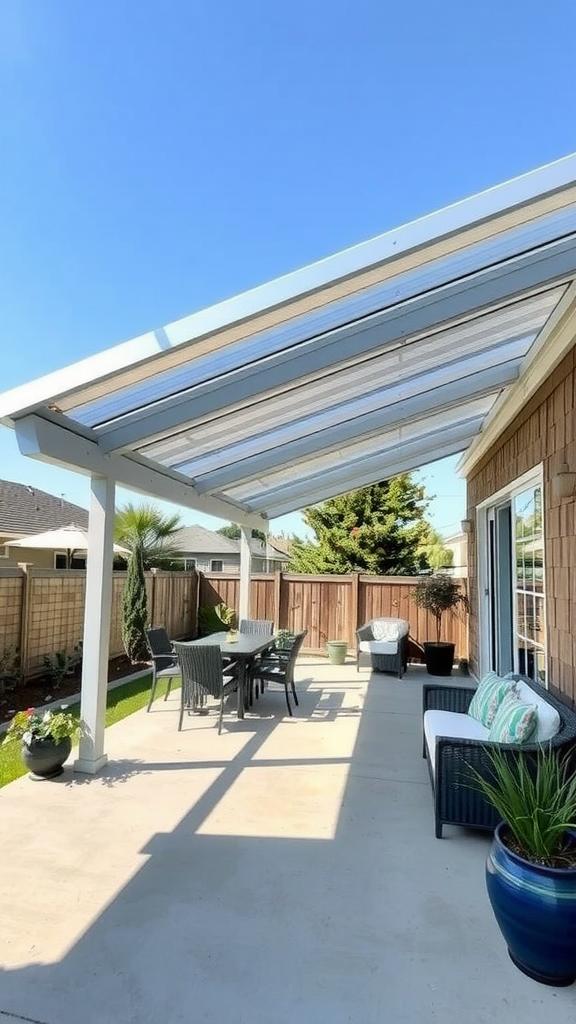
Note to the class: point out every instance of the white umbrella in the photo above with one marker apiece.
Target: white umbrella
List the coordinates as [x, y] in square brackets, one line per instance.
[71, 538]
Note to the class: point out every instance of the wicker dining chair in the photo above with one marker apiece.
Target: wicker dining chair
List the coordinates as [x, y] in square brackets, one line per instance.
[203, 676]
[164, 661]
[255, 627]
[281, 670]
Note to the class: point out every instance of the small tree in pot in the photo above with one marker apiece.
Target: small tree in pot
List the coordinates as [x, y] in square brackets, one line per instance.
[438, 594]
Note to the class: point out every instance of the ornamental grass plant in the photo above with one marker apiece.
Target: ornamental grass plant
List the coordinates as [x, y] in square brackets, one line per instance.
[535, 795]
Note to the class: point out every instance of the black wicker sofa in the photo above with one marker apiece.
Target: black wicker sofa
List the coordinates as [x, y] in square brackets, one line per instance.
[456, 801]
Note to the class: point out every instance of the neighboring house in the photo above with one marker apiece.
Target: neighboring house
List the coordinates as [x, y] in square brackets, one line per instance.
[457, 543]
[26, 510]
[209, 551]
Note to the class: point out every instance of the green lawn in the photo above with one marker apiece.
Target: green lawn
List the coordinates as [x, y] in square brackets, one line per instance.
[122, 701]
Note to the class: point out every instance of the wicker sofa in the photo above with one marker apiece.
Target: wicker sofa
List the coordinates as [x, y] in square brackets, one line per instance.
[384, 643]
[452, 740]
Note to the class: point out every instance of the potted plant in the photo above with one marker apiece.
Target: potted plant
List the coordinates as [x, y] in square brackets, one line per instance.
[531, 866]
[438, 594]
[46, 739]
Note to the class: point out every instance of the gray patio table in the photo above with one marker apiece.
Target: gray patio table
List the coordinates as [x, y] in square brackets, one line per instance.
[243, 651]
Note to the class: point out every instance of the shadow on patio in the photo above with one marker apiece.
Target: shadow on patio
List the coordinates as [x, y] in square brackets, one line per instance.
[284, 872]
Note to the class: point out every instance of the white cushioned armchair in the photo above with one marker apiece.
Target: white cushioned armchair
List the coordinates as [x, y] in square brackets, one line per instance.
[385, 643]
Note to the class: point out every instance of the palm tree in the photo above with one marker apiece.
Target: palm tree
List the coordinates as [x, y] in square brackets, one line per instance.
[147, 528]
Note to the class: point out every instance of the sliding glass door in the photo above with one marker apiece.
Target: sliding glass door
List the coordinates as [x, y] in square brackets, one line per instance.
[516, 584]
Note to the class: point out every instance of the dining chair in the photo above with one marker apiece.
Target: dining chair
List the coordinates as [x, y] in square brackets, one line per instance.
[164, 661]
[203, 675]
[264, 627]
[281, 670]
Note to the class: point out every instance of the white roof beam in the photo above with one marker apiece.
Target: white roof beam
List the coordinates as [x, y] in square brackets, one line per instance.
[48, 442]
[314, 493]
[396, 325]
[398, 406]
[338, 475]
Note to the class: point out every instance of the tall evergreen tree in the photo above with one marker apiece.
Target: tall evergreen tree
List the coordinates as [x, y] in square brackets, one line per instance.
[135, 609]
[376, 529]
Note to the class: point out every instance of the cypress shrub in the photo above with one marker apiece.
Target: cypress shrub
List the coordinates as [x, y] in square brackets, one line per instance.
[135, 609]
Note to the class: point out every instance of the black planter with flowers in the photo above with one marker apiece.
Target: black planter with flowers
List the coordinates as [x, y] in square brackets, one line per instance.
[46, 739]
[45, 758]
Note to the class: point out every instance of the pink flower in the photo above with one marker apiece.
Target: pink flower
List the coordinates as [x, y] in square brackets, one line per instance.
[29, 712]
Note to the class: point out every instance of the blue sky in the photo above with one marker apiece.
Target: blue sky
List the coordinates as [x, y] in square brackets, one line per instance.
[161, 155]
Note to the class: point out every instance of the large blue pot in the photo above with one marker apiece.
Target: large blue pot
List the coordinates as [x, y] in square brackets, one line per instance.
[535, 907]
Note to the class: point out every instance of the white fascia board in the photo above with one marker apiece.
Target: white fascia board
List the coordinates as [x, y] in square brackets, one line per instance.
[394, 326]
[556, 339]
[48, 442]
[315, 493]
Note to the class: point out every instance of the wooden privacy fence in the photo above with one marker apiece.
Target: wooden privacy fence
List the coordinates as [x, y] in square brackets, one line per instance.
[42, 610]
[333, 607]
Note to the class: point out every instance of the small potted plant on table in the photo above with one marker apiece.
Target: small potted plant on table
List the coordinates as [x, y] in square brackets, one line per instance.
[438, 594]
[46, 739]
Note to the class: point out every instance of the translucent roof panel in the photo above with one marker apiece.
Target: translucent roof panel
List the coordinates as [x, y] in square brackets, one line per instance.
[376, 360]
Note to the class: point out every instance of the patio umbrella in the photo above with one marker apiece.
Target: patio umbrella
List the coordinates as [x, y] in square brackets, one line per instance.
[71, 538]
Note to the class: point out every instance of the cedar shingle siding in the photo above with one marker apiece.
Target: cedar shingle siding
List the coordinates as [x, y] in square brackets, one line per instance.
[545, 432]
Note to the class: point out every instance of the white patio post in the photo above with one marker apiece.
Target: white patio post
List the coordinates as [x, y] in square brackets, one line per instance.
[97, 611]
[245, 560]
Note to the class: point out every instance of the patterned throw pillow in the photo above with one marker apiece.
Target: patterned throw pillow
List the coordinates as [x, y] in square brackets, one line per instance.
[514, 722]
[490, 693]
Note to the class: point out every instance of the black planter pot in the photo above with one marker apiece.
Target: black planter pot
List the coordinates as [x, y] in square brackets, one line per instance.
[439, 658]
[44, 758]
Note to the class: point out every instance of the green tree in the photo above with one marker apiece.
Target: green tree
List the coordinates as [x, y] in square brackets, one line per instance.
[135, 609]
[376, 529]
[233, 532]
[147, 528]
[432, 552]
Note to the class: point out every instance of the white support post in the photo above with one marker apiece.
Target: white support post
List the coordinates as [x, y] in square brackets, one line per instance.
[95, 649]
[245, 562]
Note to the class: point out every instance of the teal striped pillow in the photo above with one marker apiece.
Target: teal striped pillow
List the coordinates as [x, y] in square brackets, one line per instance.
[514, 722]
[490, 693]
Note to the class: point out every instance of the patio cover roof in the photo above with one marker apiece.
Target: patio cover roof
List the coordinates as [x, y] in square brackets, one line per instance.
[377, 360]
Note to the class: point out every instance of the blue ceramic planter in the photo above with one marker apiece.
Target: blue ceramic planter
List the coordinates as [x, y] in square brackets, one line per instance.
[535, 908]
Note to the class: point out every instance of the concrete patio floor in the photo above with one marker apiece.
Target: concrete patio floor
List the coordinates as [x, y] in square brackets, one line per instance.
[285, 872]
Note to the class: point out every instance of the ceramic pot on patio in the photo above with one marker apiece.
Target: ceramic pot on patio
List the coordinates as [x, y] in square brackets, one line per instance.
[439, 658]
[535, 907]
[45, 758]
[337, 651]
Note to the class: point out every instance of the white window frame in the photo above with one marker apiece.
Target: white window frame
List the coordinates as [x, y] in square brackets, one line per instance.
[533, 478]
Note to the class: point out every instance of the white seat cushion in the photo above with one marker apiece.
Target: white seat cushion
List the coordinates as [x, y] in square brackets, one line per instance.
[548, 719]
[379, 646]
[389, 629]
[450, 723]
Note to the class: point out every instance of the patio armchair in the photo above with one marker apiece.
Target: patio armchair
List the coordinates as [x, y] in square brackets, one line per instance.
[164, 660]
[203, 675]
[272, 668]
[384, 643]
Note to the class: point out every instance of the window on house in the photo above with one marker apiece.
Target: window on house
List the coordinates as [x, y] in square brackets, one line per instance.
[529, 583]
[216, 565]
[61, 561]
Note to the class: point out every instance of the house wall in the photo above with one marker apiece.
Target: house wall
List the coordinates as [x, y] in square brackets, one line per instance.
[543, 433]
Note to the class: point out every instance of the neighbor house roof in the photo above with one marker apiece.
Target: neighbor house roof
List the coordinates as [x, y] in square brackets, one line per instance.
[25, 510]
[198, 540]
[378, 360]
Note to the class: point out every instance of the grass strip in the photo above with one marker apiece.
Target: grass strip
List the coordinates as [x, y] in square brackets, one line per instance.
[122, 701]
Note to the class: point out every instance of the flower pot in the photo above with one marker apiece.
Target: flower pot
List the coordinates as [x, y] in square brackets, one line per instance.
[44, 758]
[439, 658]
[535, 907]
[337, 651]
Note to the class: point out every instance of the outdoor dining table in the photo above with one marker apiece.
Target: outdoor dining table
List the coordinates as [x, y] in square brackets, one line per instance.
[243, 651]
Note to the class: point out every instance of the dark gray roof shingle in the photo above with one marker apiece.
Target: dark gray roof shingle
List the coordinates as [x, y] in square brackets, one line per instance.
[26, 510]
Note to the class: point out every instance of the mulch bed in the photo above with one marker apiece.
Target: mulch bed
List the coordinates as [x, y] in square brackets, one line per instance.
[39, 691]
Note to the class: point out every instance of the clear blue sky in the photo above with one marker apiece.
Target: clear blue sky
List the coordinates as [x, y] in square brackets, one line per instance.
[161, 155]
